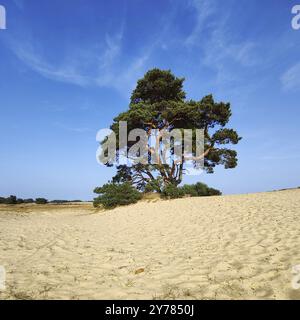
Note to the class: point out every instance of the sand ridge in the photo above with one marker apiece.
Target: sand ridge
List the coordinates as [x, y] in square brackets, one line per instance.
[228, 247]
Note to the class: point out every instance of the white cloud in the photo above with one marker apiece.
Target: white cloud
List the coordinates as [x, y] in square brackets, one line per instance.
[86, 67]
[290, 80]
[113, 49]
[102, 66]
[81, 67]
[64, 73]
[72, 129]
[222, 54]
[203, 9]
[218, 50]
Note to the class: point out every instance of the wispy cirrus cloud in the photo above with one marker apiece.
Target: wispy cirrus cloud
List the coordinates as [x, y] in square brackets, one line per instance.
[290, 80]
[101, 66]
[88, 67]
[72, 70]
[204, 9]
[224, 55]
[220, 52]
[94, 64]
[64, 73]
[72, 128]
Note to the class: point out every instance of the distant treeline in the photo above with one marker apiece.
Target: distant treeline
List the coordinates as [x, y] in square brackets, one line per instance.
[15, 200]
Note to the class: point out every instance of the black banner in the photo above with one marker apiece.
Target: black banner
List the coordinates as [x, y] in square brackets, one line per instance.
[146, 309]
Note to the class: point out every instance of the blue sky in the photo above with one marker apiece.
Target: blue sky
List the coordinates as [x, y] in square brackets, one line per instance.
[68, 67]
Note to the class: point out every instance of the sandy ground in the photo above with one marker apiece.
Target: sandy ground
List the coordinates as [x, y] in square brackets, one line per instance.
[229, 247]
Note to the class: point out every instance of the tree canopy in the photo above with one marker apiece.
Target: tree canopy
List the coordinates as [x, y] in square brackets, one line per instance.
[158, 103]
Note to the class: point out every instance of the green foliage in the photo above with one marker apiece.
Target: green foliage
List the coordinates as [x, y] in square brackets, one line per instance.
[11, 200]
[154, 185]
[59, 201]
[63, 201]
[158, 102]
[28, 200]
[113, 195]
[200, 189]
[41, 201]
[189, 189]
[124, 174]
[171, 191]
[157, 86]
[15, 200]
[214, 192]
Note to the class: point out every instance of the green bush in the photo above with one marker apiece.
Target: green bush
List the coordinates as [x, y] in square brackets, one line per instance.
[41, 201]
[214, 192]
[11, 200]
[113, 195]
[153, 186]
[189, 189]
[59, 201]
[200, 190]
[171, 191]
[28, 200]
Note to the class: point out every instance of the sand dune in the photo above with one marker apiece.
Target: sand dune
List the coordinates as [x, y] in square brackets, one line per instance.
[229, 247]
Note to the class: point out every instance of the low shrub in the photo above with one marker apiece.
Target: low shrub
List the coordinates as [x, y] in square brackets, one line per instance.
[112, 195]
[64, 201]
[11, 200]
[189, 189]
[154, 185]
[41, 201]
[214, 192]
[28, 200]
[200, 190]
[171, 191]
[59, 201]
[14, 200]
